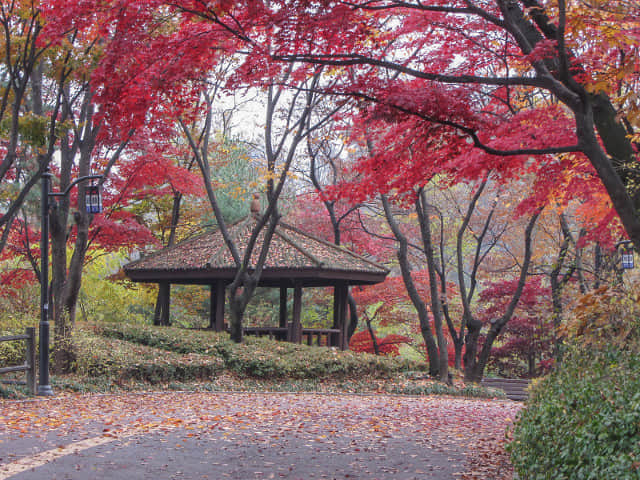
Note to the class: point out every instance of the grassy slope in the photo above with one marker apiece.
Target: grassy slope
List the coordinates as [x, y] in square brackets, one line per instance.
[113, 357]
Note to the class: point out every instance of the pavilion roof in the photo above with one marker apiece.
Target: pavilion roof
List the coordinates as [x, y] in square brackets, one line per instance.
[293, 256]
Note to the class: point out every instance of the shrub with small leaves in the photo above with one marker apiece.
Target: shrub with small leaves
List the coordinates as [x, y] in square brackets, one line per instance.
[259, 357]
[13, 353]
[583, 421]
[98, 356]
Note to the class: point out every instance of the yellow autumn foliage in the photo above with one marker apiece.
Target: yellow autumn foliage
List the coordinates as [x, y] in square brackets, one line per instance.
[607, 316]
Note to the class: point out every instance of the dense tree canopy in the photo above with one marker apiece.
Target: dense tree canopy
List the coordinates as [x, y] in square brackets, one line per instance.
[534, 97]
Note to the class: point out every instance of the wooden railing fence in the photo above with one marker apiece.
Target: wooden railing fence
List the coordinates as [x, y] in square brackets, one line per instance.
[327, 337]
[29, 364]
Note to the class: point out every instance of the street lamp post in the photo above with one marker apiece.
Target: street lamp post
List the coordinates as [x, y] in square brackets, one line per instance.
[93, 205]
[43, 386]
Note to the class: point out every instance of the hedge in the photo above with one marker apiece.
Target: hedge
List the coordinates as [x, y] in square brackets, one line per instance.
[583, 421]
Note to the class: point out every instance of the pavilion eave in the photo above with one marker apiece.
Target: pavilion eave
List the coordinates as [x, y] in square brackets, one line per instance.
[271, 277]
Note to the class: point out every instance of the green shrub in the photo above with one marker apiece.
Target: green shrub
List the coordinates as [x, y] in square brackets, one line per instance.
[179, 340]
[13, 392]
[264, 358]
[583, 421]
[98, 356]
[439, 388]
[13, 353]
[259, 357]
[116, 356]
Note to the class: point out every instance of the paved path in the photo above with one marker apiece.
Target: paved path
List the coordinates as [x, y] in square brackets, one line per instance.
[248, 436]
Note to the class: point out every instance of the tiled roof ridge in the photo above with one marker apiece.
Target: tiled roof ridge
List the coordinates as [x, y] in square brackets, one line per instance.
[233, 232]
[333, 246]
[299, 247]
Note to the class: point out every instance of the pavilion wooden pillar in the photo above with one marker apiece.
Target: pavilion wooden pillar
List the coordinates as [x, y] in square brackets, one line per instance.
[283, 307]
[216, 312]
[340, 293]
[296, 327]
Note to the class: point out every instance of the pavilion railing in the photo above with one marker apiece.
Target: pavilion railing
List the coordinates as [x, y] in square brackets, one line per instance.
[277, 333]
[326, 337]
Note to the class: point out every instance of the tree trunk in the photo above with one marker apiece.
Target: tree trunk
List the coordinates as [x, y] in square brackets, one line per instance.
[161, 315]
[436, 304]
[557, 282]
[353, 316]
[532, 364]
[476, 363]
[591, 111]
[374, 340]
[236, 310]
[248, 271]
[556, 300]
[433, 354]
[67, 280]
[458, 354]
[471, 339]
[63, 317]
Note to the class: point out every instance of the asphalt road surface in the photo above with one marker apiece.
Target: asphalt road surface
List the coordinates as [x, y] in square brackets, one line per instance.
[243, 436]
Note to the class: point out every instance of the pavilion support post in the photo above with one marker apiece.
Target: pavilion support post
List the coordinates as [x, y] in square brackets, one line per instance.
[216, 313]
[212, 307]
[341, 291]
[336, 310]
[296, 332]
[283, 307]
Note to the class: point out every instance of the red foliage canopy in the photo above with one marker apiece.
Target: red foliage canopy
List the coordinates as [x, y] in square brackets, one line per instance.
[156, 54]
[530, 332]
[389, 345]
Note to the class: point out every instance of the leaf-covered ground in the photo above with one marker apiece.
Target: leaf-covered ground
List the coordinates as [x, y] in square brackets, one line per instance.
[241, 435]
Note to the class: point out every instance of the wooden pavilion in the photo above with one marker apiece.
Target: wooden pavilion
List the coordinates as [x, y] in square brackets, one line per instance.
[296, 260]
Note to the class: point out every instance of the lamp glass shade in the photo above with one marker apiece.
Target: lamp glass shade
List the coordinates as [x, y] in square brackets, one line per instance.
[93, 199]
